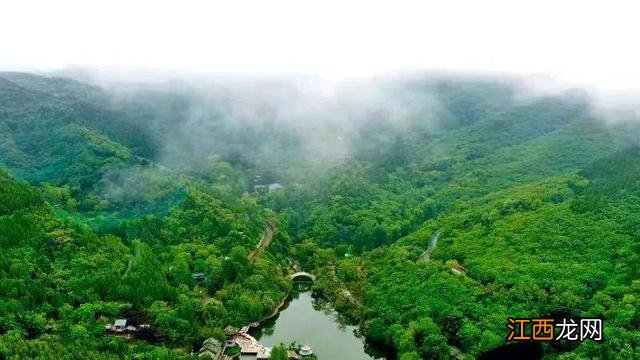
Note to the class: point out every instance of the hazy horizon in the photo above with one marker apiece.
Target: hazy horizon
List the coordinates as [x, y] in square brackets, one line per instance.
[574, 43]
[440, 172]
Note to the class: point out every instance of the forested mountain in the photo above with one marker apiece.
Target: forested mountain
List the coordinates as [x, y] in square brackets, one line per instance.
[430, 208]
[106, 233]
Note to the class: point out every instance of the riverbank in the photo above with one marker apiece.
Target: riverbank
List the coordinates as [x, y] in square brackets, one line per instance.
[321, 319]
[278, 308]
[311, 321]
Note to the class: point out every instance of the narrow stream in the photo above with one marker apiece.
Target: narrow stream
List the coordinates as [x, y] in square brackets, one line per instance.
[313, 322]
[432, 245]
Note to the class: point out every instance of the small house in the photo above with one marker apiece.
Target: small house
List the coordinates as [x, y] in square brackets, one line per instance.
[265, 188]
[230, 330]
[212, 349]
[124, 326]
[199, 277]
[119, 325]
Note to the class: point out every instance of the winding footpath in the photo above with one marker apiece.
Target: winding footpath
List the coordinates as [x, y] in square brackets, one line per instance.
[264, 243]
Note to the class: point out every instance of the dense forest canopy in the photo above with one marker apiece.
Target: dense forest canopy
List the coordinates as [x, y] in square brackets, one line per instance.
[117, 199]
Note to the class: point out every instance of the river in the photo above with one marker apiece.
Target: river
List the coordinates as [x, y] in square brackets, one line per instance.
[313, 322]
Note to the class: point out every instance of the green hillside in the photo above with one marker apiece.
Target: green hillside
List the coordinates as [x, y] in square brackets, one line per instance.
[104, 233]
[430, 212]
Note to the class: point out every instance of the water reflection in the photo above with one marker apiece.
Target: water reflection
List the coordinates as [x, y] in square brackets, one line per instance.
[313, 322]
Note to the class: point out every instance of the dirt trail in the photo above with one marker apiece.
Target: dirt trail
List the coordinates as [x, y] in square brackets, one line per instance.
[264, 243]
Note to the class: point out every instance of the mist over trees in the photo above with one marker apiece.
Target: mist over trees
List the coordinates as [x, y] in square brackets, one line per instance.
[137, 199]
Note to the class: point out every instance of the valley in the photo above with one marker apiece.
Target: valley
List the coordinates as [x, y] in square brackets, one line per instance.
[429, 209]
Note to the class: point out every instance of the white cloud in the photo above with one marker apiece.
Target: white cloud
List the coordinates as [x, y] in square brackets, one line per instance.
[579, 41]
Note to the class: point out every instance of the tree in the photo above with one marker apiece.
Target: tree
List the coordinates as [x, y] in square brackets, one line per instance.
[279, 353]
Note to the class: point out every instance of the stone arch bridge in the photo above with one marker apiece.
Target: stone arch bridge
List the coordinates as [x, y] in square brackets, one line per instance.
[302, 274]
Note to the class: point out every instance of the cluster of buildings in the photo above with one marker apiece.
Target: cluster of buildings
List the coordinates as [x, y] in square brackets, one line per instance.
[120, 326]
[249, 347]
[261, 187]
[265, 188]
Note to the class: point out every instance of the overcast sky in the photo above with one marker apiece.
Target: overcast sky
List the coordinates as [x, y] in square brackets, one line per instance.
[578, 41]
